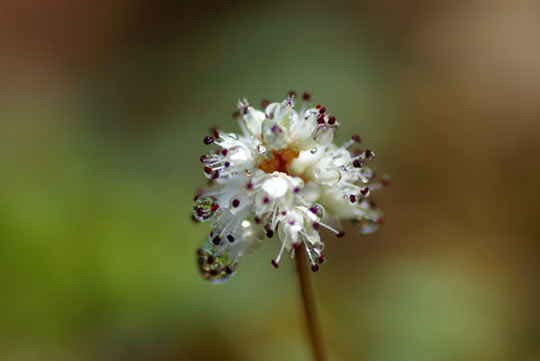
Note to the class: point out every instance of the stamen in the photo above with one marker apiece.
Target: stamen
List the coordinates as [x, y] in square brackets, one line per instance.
[208, 140]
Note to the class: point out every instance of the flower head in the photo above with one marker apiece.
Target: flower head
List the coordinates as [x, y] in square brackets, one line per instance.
[282, 178]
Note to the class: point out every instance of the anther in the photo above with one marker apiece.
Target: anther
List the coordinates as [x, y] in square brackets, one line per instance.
[369, 154]
[203, 158]
[357, 163]
[315, 225]
[230, 238]
[292, 93]
[356, 138]
[318, 106]
[269, 233]
[306, 96]
[266, 200]
[227, 164]
[364, 190]
[352, 198]
[332, 120]
[322, 110]
[265, 103]
[228, 270]
[340, 234]
[235, 203]
[257, 220]
[215, 132]
[224, 152]
[315, 267]
[249, 186]
[208, 140]
[216, 240]
[275, 264]
[296, 190]
[207, 170]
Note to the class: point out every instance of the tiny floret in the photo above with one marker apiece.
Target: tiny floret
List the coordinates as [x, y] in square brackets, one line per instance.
[283, 176]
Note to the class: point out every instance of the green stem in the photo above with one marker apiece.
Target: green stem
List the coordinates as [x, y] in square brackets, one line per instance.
[308, 302]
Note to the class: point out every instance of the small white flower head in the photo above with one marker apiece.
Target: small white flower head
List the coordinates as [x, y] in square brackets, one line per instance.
[282, 178]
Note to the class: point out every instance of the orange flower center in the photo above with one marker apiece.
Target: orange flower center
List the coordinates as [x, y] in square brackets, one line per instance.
[281, 161]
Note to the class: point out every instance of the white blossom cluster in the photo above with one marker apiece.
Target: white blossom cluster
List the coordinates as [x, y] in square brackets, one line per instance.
[283, 178]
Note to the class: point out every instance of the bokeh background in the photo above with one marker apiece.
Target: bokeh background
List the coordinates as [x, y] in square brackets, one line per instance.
[103, 106]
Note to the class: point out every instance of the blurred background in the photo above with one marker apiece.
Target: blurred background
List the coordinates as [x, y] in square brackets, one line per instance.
[103, 107]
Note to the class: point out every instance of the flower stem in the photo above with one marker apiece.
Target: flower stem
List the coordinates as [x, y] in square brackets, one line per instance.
[308, 303]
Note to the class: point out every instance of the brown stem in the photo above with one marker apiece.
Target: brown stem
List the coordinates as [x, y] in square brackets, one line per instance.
[308, 300]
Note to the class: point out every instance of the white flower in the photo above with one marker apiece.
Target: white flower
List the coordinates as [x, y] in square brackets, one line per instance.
[283, 176]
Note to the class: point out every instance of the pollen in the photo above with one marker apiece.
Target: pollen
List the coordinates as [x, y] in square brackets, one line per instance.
[281, 161]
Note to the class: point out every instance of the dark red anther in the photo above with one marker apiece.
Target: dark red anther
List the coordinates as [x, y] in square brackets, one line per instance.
[208, 140]
[236, 114]
[275, 264]
[340, 234]
[295, 245]
[369, 153]
[306, 96]
[235, 203]
[224, 152]
[203, 158]
[265, 103]
[228, 270]
[214, 132]
[320, 119]
[364, 190]
[332, 120]
[315, 267]
[266, 200]
[380, 220]
[356, 138]
[257, 220]
[315, 225]
[292, 93]
[357, 163]
[321, 259]
[214, 207]
[207, 170]
[296, 190]
[385, 182]
[313, 210]
[318, 106]
[284, 213]
[249, 186]
[322, 110]
[269, 233]
[227, 164]
[352, 198]
[216, 174]
[216, 240]
[230, 238]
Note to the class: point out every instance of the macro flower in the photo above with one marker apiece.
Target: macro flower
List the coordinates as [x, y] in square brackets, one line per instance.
[284, 179]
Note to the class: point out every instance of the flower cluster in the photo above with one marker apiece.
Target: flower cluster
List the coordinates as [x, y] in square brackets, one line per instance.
[283, 177]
